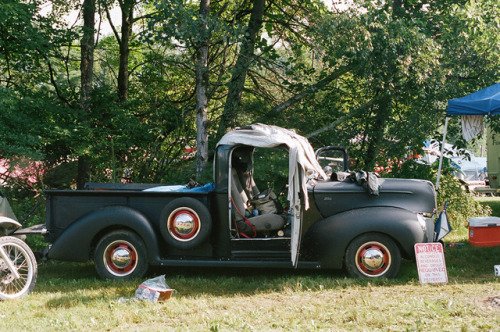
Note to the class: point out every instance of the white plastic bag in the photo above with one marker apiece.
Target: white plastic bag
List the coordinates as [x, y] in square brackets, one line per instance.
[154, 290]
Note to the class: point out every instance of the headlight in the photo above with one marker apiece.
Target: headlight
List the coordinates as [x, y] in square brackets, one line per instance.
[422, 222]
[427, 221]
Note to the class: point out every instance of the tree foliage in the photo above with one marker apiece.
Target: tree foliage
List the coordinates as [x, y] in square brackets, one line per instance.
[375, 76]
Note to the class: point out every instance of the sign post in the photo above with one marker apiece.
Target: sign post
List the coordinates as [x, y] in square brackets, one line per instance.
[430, 263]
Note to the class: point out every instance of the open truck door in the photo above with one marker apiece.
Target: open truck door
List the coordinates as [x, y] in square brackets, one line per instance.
[296, 235]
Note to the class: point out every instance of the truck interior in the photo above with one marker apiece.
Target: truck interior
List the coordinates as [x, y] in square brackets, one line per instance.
[253, 169]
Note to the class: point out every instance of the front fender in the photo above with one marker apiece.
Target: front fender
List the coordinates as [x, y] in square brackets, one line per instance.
[327, 240]
[8, 225]
[75, 243]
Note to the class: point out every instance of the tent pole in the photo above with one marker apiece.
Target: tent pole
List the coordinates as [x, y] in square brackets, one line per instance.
[442, 152]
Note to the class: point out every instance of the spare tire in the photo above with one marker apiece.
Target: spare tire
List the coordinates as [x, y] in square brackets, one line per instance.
[185, 223]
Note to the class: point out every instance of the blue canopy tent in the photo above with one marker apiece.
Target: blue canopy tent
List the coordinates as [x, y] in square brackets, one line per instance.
[482, 102]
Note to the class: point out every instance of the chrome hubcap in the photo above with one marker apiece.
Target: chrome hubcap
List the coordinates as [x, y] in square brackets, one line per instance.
[373, 259]
[183, 224]
[120, 258]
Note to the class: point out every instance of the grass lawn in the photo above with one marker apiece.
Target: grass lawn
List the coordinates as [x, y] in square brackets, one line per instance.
[69, 296]
[493, 202]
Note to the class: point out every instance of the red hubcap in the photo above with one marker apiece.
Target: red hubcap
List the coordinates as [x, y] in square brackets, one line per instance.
[183, 224]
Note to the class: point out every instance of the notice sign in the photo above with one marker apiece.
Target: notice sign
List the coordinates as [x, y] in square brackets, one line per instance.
[430, 263]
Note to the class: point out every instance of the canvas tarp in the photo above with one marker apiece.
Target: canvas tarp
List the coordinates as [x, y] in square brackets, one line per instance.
[302, 160]
[302, 166]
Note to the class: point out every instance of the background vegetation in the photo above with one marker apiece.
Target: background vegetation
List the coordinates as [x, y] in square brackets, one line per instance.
[175, 75]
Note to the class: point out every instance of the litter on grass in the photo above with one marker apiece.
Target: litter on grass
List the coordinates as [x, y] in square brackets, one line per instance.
[154, 290]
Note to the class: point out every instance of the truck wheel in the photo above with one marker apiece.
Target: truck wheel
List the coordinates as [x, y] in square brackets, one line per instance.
[372, 255]
[185, 223]
[18, 268]
[120, 254]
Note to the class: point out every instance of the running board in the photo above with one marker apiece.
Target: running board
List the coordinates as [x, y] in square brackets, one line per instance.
[236, 263]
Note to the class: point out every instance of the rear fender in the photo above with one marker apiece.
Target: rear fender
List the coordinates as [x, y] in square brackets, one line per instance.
[75, 243]
[327, 240]
[8, 225]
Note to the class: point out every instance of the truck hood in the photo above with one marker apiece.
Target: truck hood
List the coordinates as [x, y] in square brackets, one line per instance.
[332, 197]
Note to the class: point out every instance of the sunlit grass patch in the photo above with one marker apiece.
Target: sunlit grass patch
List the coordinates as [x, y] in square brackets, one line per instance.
[69, 296]
[493, 202]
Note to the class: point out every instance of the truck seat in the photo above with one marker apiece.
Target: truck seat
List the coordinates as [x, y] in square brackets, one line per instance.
[238, 195]
[250, 186]
[262, 223]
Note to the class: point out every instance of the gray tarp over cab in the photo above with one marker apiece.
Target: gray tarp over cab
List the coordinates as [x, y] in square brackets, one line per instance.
[302, 164]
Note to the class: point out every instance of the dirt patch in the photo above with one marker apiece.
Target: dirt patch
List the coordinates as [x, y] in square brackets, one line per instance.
[493, 302]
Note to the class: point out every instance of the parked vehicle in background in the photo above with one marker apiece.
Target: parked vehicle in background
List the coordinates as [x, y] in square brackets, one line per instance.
[308, 219]
[469, 169]
[18, 266]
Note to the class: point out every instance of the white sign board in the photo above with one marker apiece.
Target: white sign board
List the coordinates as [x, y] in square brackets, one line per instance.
[430, 263]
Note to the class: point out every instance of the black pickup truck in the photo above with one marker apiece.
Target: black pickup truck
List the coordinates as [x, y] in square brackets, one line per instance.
[328, 221]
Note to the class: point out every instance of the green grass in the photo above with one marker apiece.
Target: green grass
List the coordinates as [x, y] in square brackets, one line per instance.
[493, 202]
[69, 296]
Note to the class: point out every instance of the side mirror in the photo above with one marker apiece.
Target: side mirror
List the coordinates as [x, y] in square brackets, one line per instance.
[333, 159]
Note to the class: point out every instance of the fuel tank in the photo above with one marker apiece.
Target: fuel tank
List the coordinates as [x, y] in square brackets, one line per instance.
[332, 197]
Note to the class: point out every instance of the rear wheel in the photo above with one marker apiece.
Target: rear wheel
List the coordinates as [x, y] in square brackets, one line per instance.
[120, 255]
[373, 255]
[18, 268]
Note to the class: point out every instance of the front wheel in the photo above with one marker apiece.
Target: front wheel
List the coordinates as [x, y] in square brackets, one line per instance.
[120, 254]
[18, 268]
[373, 255]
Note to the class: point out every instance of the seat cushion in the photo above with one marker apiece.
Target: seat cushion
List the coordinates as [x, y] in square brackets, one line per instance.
[267, 222]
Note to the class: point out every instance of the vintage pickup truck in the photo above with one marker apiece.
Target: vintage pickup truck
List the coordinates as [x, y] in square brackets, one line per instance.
[329, 221]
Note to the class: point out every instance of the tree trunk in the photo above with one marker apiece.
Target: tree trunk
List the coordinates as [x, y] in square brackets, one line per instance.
[383, 112]
[87, 53]
[201, 91]
[86, 70]
[233, 100]
[127, 9]
[318, 86]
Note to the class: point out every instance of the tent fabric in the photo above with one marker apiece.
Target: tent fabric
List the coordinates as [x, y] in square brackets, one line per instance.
[482, 102]
[471, 126]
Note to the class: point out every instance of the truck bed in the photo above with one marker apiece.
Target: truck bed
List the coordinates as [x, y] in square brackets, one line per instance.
[64, 207]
